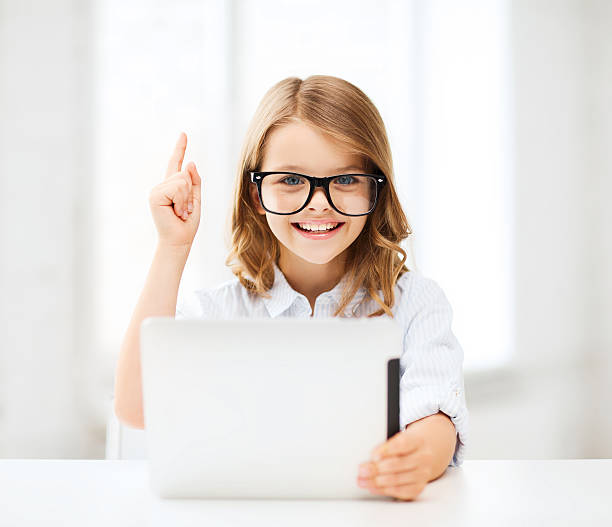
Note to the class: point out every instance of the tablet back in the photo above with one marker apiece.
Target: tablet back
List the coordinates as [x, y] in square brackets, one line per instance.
[262, 408]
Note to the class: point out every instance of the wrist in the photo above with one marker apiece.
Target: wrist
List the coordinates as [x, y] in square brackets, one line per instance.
[173, 250]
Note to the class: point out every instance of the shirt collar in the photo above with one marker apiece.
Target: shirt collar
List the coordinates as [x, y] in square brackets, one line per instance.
[283, 296]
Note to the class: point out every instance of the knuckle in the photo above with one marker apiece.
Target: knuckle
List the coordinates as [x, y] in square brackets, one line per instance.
[386, 480]
[387, 465]
[179, 187]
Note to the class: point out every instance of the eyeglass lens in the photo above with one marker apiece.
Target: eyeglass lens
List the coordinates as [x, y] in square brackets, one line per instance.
[286, 193]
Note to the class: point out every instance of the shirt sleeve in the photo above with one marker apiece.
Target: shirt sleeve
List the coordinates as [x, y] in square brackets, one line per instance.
[431, 365]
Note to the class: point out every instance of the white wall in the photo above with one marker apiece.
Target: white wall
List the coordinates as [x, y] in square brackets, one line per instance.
[555, 402]
[46, 375]
[599, 112]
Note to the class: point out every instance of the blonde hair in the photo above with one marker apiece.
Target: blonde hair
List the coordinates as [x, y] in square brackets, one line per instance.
[346, 114]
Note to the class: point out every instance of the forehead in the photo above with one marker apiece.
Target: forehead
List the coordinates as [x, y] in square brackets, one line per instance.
[300, 147]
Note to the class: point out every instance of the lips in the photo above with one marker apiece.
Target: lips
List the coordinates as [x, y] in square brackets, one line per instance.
[318, 235]
[336, 223]
[326, 220]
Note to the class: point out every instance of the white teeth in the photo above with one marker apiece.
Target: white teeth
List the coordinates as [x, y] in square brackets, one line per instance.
[317, 227]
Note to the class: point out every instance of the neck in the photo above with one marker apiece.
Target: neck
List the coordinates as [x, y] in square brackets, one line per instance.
[308, 278]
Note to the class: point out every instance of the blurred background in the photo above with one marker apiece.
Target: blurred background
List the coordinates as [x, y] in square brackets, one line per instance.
[500, 123]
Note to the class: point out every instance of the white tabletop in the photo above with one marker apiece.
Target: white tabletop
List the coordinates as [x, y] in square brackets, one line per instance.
[480, 492]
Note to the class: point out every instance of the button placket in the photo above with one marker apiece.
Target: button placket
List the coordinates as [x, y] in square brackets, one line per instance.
[321, 302]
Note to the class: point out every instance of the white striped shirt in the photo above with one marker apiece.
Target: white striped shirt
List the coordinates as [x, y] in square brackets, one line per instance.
[431, 361]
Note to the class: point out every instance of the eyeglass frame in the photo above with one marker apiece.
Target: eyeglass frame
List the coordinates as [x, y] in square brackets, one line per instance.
[257, 178]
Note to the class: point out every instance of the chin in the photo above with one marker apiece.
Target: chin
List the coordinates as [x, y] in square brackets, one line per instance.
[316, 258]
[317, 252]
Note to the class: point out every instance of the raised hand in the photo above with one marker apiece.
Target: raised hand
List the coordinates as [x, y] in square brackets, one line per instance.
[176, 202]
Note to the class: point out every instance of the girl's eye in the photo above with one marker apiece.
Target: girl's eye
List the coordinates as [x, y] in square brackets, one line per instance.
[344, 180]
[291, 180]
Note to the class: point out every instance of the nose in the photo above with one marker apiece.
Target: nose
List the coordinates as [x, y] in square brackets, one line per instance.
[318, 200]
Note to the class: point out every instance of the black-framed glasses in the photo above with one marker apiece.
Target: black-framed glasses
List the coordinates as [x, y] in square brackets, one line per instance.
[290, 192]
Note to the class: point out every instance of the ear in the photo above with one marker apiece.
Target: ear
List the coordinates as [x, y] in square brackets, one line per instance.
[255, 198]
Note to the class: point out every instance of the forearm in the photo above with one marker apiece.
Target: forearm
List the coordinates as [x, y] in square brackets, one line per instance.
[158, 298]
[441, 437]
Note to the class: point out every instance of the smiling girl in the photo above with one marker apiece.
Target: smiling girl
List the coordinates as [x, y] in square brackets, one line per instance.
[316, 230]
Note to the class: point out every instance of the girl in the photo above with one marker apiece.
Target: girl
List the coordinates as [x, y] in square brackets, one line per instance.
[315, 229]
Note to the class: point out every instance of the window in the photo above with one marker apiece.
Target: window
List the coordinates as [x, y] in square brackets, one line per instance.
[436, 70]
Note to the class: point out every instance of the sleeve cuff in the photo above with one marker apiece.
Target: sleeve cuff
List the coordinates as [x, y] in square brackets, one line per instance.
[429, 400]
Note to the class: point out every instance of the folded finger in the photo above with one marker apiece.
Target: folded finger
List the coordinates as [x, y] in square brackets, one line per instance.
[181, 184]
[177, 193]
[394, 464]
[397, 479]
[404, 492]
[195, 176]
[195, 183]
[181, 201]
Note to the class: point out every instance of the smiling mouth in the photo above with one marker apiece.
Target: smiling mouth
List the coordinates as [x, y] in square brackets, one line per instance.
[297, 226]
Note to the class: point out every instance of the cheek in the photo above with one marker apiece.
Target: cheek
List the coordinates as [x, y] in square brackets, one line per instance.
[279, 226]
[356, 228]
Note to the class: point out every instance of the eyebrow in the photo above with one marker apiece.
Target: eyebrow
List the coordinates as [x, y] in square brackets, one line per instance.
[298, 168]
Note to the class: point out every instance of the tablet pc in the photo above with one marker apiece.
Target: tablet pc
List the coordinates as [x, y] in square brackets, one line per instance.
[267, 408]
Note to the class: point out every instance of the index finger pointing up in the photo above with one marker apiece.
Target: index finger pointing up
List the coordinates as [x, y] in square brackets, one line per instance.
[176, 160]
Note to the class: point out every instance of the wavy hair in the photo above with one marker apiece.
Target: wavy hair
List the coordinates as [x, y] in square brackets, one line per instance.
[346, 114]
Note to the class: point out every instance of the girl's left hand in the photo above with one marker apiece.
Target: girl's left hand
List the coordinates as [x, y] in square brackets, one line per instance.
[400, 467]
